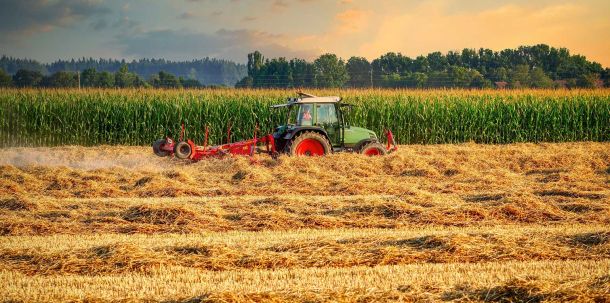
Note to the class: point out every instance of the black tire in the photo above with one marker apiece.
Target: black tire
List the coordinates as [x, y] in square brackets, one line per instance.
[373, 149]
[182, 150]
[293, 146]
[157, 148]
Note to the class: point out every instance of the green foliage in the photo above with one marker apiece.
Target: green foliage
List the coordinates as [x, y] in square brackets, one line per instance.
[5, 79]
[330, 71]
[26, 78]
[123, 78]
[105, 80]
[538, 79]
[359, 70]
[520, 76]
[89, 78]
[189, 83]
[587, 80]
[527, 66]
[61, 79]
[246, 82]
[206, 70]
[92, 117]
[165, 80]
[537, 66]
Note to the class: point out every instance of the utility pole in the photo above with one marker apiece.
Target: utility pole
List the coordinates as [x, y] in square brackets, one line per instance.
[371, 73]
[78, 76]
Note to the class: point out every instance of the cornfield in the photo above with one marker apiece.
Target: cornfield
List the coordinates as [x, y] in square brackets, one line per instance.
[138, 117]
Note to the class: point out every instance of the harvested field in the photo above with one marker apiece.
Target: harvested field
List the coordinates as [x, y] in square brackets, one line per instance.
[467, 222]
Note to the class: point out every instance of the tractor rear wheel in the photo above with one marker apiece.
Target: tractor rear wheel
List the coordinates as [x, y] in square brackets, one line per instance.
[373, 149]
[157, 148]
[309, 144]
[183, 150]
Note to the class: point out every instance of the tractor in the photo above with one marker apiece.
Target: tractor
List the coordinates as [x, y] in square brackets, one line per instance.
[315, 126]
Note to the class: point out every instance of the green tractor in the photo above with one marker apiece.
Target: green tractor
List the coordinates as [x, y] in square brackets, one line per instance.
[317, 126]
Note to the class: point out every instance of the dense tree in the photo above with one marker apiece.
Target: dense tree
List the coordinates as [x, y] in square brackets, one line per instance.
[166, 80]
[61, 79]
[5, 79]
[526, 66]
[605, 77]
[207, 70]
[104, 80]
[255, 63]
[587, 80]
[189, 83]
[246, 82]
[123, 78]
[276, 74]
[302, 73]
[437, 61]
[330, 71]
[27, 78]
[520, 76]
[89, 78]
[538, 79]
[359, 70]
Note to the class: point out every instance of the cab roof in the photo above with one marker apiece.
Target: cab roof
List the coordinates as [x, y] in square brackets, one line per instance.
[305, 98]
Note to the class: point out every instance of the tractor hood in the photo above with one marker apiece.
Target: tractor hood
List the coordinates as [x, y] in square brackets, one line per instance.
[355, 134]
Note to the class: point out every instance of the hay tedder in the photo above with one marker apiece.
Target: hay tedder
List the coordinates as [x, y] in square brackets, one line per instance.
[315, 126]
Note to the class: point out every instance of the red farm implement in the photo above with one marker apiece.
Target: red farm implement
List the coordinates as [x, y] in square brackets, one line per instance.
[189, 150]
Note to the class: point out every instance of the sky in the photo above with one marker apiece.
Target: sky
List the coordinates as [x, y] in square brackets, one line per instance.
[47, 30]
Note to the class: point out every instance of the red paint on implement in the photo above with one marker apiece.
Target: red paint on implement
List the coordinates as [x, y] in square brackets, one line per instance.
[310, 147]
[372, 152]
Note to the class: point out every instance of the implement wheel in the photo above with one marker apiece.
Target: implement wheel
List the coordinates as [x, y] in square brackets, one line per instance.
[157, 148]
[309, 144]
[373, 149]
[183, 150]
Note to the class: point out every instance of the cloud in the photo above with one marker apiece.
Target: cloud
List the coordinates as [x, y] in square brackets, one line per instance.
[27, 17]
[279, 4]
[227, 44]
[352, 21]
[248, 19]
[125, 23]
[99, 25]
[186, 15]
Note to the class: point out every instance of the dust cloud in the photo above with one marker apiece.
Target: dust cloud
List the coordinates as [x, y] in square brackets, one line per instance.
[86, 158]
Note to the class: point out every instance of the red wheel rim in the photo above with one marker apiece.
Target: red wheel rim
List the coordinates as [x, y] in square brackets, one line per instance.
[310, 147]
[372, 152]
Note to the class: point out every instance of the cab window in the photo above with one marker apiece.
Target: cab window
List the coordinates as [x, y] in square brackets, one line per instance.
[327, 114]
[304, 117]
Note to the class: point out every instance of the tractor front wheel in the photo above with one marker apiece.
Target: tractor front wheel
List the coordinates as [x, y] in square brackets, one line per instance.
[373, 149]
[183, 150]
[309, 144]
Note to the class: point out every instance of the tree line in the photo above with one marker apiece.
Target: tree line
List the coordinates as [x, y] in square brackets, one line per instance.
[538, 66]
[90, 77]
[207, 71]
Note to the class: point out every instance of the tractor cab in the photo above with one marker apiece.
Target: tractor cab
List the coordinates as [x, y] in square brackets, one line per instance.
[320, 123]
